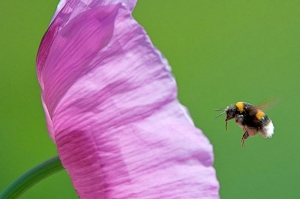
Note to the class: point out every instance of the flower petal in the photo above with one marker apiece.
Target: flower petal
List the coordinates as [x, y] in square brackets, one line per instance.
[112, 108]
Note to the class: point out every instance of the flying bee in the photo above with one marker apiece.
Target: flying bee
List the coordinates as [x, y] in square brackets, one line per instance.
[250, 118]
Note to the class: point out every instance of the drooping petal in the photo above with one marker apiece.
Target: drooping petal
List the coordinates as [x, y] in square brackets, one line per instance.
[112, 109]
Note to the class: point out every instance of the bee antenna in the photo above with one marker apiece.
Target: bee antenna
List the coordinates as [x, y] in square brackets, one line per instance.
[219, 114]
[220, 109]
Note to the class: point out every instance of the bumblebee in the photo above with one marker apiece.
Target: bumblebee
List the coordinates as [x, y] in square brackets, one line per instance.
[250, 118]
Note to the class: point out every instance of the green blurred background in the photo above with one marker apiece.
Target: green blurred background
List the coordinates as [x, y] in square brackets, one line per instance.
[221, 52]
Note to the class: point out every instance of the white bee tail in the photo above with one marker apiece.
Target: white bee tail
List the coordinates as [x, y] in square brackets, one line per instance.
[269, 130]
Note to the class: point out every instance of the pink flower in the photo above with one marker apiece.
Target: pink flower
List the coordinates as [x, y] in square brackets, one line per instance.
[112, 109]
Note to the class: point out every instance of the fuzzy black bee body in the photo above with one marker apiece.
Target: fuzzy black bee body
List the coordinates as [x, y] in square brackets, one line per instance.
[250, 118]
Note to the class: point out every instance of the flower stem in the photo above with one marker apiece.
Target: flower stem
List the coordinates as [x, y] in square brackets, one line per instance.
[31, 177]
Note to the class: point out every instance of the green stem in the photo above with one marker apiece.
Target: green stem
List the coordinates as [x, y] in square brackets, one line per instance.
[32, 177]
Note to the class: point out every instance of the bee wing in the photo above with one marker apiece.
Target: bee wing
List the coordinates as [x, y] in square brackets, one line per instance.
[253, 110]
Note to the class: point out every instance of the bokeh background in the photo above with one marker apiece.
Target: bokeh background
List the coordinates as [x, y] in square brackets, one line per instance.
[221, 52]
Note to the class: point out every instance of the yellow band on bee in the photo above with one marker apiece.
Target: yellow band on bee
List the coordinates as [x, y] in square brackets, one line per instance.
[240, 106]
[259, 114]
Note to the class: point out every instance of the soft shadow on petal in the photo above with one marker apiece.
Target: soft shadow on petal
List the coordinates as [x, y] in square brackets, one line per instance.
[112, 109]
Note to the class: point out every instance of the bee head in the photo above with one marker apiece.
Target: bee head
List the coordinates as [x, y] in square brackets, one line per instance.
[230, 112]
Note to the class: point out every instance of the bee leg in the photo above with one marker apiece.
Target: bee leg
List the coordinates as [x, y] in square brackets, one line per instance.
[244, 137]
[239, 119]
